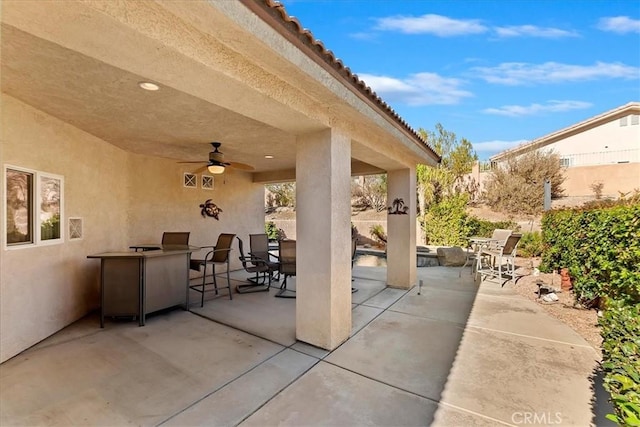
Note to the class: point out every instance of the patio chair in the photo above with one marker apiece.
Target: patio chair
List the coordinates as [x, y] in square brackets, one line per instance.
[262, 269]
[175, 238]
[217, 255]
[498, 254]
[287, 266]
[476, 244]
[499, 237]
[259, 247]
[354, 243]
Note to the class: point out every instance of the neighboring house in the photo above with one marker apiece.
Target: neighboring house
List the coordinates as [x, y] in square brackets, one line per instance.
[90, 152]
[602, 149]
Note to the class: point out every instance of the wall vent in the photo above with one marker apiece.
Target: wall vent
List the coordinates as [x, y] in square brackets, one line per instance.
[75, 228]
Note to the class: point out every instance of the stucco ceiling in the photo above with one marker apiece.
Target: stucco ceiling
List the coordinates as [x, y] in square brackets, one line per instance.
[108, 103]
[83, 66]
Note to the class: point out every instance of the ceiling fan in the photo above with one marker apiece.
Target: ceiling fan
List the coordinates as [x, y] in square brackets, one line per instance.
[217, 165]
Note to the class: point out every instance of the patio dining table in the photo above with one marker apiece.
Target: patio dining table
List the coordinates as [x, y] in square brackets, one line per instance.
[476, 244]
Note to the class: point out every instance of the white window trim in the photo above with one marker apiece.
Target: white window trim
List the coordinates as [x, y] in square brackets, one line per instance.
[36, 203]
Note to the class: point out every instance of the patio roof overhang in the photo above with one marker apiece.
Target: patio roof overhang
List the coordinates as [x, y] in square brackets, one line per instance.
[225, 74]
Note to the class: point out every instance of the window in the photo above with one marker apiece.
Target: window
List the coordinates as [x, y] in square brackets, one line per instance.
[33, 207]
[635, 119]
[50, 192]
[565, 161]
[19, 206]
[623, 121]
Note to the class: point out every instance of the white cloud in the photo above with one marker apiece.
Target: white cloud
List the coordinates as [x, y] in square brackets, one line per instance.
[536, 109]
[363, 36]
[496, 145]
[517, 73]
[533, 31]
[437, 25]
[619, 24]
[417, 89]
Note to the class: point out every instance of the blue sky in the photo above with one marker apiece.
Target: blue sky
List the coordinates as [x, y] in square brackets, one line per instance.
[498, 73]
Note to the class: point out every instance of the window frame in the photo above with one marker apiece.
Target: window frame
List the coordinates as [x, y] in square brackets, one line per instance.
[35, 207]
[39, 211]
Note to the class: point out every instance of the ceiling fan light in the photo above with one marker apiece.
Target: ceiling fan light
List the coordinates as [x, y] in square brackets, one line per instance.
[215, 169]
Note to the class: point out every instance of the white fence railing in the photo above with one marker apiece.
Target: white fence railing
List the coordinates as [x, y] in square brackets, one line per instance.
[600, 158]
[587, 159]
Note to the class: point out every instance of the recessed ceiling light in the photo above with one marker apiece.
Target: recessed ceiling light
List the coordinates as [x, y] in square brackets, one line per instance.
[148, 86]
[268, 156]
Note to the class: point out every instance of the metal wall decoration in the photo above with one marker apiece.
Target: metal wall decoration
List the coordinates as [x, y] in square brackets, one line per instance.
[210, 209]
[398, 207]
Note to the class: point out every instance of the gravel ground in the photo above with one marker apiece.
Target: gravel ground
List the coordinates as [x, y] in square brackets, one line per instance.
[583, 321]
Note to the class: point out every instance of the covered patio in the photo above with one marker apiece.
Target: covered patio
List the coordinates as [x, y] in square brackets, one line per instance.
[75, 106]
[457, 354]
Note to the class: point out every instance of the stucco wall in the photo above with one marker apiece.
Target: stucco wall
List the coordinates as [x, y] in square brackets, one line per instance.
[47, 287]
[610, 136]
[623, 177]
[159, 202]
[620, 177]
[123, 198]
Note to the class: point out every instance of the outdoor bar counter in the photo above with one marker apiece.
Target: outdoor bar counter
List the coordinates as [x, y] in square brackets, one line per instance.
[138, 283]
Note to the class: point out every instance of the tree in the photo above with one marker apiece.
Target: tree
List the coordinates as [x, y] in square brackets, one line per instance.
[371, 194]
[442, 191]
[281, 195]
[517, 186]
[458, 156]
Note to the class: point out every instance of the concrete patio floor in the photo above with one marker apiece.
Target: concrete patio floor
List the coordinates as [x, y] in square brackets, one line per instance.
[458, 354]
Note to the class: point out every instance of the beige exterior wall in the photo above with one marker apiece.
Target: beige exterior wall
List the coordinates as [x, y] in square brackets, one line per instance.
[610, 136]
[623, 177]
[122, 198]
[616, 178]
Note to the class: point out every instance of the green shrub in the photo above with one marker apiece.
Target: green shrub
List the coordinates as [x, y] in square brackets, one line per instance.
[50, 229]
[601, 249]
[621, 353]
[378, 234]
[530, 244]
[271, 230]
[484, 228]
[446, 221]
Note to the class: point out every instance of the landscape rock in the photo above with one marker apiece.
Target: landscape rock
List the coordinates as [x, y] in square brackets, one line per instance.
[452, 257]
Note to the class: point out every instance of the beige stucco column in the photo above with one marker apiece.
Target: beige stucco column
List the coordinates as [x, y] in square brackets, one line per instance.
[401, 229]
[323, 214]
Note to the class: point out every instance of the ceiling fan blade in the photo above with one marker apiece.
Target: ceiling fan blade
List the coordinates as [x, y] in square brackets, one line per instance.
[200, 169]
[199, 161]
[241, 166]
